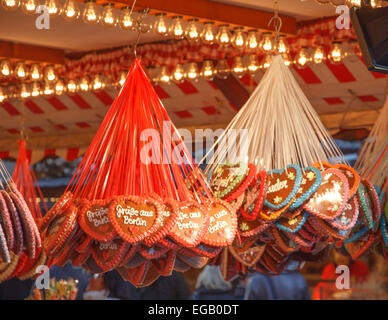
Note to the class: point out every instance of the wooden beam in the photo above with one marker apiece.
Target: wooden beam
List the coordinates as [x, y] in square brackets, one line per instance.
[31, 53]
[233, 90]
[214, 11]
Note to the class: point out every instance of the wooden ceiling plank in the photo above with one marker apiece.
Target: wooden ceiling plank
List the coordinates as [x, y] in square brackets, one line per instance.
[233, 90]
[31, 53]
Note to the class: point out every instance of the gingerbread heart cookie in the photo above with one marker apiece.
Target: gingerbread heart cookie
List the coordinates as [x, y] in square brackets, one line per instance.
[248, 253]
[191, 225]
[311, 180]
[222, 224]
[134, 217]
[294, 224]
[331, 197]
[282, 186]
[94, 220]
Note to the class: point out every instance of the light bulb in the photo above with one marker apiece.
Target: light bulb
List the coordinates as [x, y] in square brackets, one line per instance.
[3, 95]
[352, 3]
[144, 26]
[126, 19]
[59, 87]
[238, 39]
[319, 55]
[302, 58]
[223, 36]
[160, 26]
[53, 7]
[70, 10]
[376, 3]
[108, 17]
[253, 65]
[265, 64]
[281, 46]
[72, 86]
[178, 74]
[192, 71]
[35, 90]
[207, 70]
[192, 30]
[177, 29]
[35, 72]
[10, 5]
[49, 73]
[286, 59]
[48, 89]
[25, 91]
[222, 69]
[98, 82]
[29, 6]
[207, 34]
[122, 78]
[84, 84]
[266, 42]
[164, 76]
[238, 67]
[91, 13]
[335, 54]
[252, 43]
[21, 70]
[5, 68]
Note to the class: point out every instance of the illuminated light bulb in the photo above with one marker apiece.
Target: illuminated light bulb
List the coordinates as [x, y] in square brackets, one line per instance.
[238, 39]
[53, 7]
[253, 65]
[192, 72]
[178, 74]
[160, 26]
[208, 35]
[108, 17]
[302, 58]
[91, 13]
[36, 91]
[144, 26]
[238, 67]
[60, 87]
[223, 36]
[177, 30]
[376, 3]
[281, 46]
[122, 78]
[5, 68]
[72, 86]
[265, 64]
[84, 84]
[49, 73]
[266, 42]
[3, 95]
[21, 70]
[25, 91]
[192, 30]
[352, 3]
[29, 6]
[252, 42]
[319, 55]
[286, 59]
[48, 89]
[222, 69]
[35, 72]
[335, 54]
[207, 70]
[10, 5]
[126, 19]
[98, 82]
[164, 76]
[70, 10]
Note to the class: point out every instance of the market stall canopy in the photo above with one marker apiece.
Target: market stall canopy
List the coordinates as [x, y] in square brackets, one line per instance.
[64, 125]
